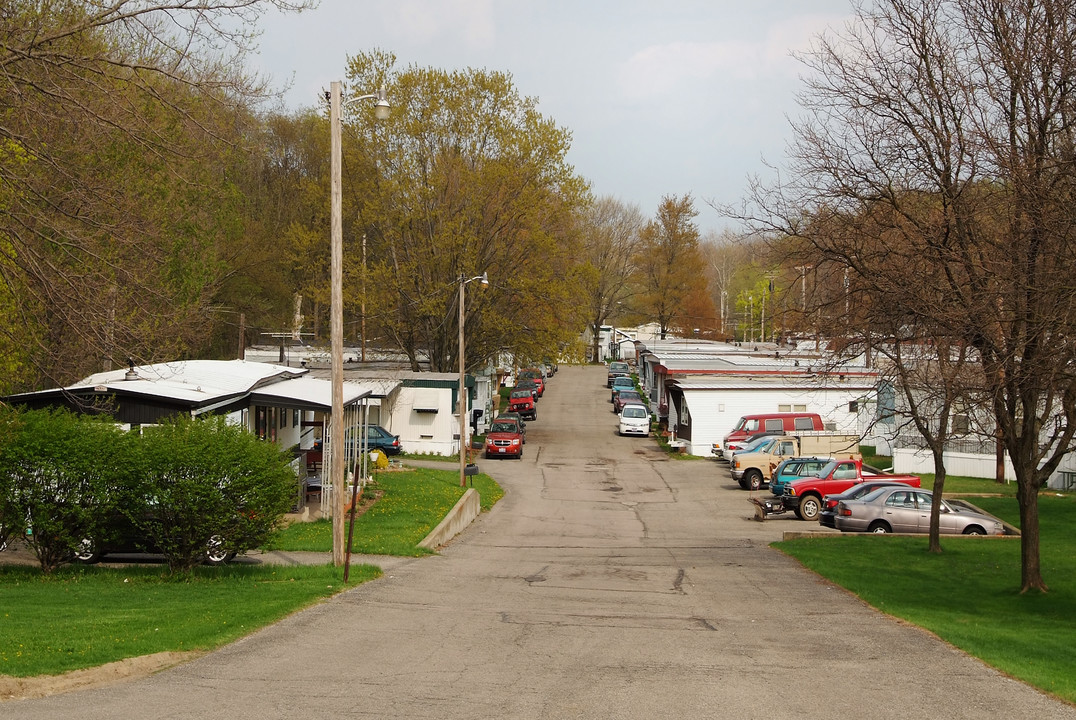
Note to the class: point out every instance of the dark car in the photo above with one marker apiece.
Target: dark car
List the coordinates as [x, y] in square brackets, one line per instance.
[537, 376]
[377, 438]
[617, 369]
[123, 536]
[625, 397]
[828, 514]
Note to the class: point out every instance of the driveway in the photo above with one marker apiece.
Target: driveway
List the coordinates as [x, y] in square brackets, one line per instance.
[610, 582]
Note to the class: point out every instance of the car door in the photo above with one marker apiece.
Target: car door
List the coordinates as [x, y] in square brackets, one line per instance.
[947, 520]
[901, 512]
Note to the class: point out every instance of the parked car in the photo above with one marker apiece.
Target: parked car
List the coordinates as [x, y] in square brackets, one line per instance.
[123, 536]
[626, 397]
[804, 496]
[514, 416]
[537, 376]
[504, 439]
[907, 510]
[528, 384]
[521, 400]
[828, 516]
[377, 438]
[634, 420]
[621, 383]
[749, 425]
[617, 369]
[753, 470]
[795, 469]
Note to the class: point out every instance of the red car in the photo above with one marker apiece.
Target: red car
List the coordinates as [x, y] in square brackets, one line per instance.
[504, 439]
[536, 375]
[522, 402]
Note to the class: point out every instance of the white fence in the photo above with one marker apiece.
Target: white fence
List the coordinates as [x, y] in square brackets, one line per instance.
[980, 465]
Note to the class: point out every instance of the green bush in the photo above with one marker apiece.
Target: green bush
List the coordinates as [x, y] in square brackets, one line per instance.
[62, 477]
[203, 481]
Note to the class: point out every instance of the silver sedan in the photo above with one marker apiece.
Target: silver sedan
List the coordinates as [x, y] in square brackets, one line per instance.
[907, 510]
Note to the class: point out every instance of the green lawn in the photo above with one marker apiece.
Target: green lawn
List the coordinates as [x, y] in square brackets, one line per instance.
[969, 594]
[86, 616]
[412, 504]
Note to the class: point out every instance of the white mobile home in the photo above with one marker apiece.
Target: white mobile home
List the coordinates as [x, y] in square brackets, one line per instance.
[703, 409]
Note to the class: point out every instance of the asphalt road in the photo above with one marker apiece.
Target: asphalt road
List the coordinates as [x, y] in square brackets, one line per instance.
[610, 582]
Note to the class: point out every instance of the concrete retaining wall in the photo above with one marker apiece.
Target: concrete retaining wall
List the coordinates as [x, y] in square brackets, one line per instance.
[458, 518]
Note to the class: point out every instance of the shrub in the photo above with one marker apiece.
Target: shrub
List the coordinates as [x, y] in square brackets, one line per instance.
[203, 480]
[61, 479]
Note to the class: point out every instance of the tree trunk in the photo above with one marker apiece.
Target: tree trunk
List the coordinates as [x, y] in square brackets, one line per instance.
[935, 507]
[1027, 494]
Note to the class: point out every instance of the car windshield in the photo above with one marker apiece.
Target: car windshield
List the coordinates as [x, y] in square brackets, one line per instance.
[827, 470]
[618, 367]
[504, 427]
[521, 394]
[634, 411]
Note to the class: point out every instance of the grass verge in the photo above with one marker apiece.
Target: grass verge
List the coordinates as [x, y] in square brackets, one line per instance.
[82, 617]
[969, 594]
[413, 501]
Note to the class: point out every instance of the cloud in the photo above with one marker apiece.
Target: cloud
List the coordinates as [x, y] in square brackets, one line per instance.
[467, 22]
[688, 67]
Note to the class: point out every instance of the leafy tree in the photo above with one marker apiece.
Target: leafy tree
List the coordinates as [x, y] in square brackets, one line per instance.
[61, 480]
[669, 265]
[206, 482]
[121, 121]
[465, 177]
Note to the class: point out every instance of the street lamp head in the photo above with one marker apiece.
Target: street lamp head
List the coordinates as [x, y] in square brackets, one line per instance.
[382, 107]
[484, 280]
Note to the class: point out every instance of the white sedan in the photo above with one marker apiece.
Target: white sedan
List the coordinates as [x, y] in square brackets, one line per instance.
[635, 420]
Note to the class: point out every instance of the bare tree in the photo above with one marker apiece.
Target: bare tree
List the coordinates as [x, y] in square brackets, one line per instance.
[935, 162]
[610, 241]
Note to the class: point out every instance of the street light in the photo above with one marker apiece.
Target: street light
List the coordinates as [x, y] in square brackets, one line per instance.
[336, 432]
[484, 279]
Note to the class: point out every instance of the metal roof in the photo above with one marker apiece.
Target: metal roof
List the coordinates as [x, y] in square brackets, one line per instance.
[309, 393]
[191, 381]
[770, 382]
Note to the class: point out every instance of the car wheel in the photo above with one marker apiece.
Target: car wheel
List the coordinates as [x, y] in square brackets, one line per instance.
[810, 506]
[215, 551]
[974, 530]
[743, 483]
[879, 526]
[87, 552]
[753, 478]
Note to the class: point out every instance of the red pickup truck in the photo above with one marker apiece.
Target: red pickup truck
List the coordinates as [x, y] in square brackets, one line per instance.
[805, 496]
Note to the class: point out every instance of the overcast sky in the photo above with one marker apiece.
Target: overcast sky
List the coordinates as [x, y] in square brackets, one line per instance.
[662, 97]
